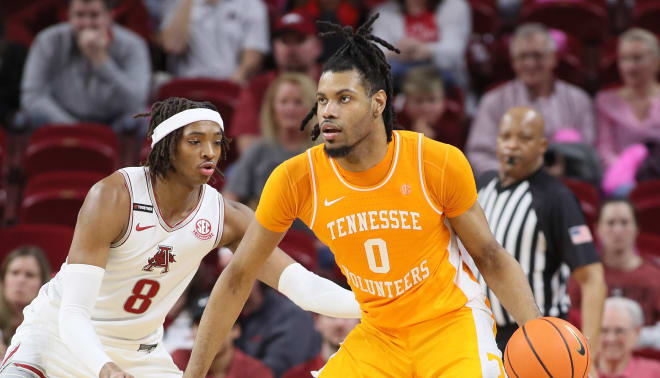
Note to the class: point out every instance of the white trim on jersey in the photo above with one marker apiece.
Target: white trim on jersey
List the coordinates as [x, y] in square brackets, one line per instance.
[127, 233]
[421, 174]
[163, 223]
[392, 169]
[311, 172]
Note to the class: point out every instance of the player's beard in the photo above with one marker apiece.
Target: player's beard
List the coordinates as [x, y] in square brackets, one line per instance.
[339, 151]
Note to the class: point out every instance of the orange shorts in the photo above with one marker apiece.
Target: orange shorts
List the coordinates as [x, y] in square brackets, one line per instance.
[460, 344]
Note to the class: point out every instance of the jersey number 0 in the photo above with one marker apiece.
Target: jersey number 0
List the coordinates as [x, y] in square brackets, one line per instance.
[379, 244]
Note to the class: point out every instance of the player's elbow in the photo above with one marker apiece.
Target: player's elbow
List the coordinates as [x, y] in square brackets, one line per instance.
[489, 257]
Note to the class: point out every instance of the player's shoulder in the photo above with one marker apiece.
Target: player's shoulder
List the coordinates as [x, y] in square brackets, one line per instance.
[439, 152]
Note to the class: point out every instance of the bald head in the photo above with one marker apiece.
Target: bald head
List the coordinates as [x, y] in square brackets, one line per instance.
[521, 143]
[525, 117]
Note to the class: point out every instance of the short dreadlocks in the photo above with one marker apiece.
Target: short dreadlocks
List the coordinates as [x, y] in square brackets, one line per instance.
[159, 160]
[359, 53]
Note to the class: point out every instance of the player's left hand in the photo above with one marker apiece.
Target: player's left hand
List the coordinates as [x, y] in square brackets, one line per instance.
[111, 370]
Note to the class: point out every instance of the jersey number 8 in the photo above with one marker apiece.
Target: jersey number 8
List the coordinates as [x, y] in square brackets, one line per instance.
[144, 298]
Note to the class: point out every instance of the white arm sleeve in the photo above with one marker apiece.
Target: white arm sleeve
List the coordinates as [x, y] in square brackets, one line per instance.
[82, 284]
[317, 294]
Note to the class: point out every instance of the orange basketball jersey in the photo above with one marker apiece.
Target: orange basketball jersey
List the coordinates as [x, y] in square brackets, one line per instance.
[386, 226]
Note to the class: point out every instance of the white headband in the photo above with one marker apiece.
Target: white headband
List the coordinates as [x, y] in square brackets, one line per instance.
[182, 119]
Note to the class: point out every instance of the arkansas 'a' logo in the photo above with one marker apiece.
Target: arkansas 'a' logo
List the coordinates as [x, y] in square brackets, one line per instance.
[162, 259]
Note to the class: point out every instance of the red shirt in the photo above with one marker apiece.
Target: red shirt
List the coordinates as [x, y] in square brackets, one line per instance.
[303, 370]
[422, 27]
[637, 368]
[241, 366]
[641, 285]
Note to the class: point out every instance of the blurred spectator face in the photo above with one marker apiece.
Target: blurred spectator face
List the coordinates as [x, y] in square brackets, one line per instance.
[617, 229]
[428, 106]
[22, 281]
[296, 52]
[638, 63]
[88, 14]
[334, 330]
[414, 4]
[618, 334]
[296, 46]
[533, 59]
[289, 108]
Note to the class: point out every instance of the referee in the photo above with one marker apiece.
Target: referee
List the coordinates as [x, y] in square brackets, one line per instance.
[538, 220]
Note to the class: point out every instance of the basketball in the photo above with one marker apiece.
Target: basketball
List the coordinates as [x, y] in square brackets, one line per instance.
[547, 347]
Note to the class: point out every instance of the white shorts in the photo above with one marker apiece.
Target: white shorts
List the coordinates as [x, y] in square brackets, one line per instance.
[37, 349]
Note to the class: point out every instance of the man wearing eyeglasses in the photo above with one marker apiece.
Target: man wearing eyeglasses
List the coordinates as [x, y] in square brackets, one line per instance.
[533, 53]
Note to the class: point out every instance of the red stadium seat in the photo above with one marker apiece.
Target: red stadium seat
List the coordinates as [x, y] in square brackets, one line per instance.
[586, 20]
[79, 147]
[56, 197]
[3, 147]
[485, 18]
[55, 240]
[645, 15]
[648, 246]
[301, 246]
[646, 198]
[587, 195]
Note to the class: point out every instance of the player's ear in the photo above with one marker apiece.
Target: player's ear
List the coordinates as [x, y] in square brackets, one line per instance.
[378, 102]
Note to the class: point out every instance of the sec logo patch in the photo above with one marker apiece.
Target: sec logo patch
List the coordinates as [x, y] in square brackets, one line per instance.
[203, 230]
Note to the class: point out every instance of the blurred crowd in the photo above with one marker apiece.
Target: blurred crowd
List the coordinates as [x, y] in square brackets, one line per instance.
[589, 68]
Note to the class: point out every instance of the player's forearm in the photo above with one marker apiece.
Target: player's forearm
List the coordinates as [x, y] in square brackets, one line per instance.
[593, 292]
[506, 279]
[225, 303]
[175, 35]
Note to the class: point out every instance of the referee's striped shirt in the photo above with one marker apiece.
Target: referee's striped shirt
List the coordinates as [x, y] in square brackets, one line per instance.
[538, 221]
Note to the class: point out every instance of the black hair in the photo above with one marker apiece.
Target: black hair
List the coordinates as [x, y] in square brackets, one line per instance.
[617, 200]
[159, 160]
[359, 53]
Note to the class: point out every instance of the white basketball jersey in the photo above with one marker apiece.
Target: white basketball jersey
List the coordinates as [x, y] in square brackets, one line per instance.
[152, 264]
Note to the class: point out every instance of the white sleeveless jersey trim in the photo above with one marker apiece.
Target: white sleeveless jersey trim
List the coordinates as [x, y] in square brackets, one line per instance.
[392, 169]
[220, 229]
[182, 223]
[148, 272]
[129, 188]
[422, 178]
[311, 169]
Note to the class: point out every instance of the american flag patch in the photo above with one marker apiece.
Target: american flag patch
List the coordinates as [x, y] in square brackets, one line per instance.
[580, 234]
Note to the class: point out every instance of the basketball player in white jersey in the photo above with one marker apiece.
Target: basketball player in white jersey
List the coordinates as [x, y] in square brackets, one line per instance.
[140, 237]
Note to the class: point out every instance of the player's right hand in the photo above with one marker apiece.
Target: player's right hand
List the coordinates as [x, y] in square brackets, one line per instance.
[111, 370]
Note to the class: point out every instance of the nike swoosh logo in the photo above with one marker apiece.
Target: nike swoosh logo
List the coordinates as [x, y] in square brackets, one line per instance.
[581, 350]
[330, 203]
[138, 228]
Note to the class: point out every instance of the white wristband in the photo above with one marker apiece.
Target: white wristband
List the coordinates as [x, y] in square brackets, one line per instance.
[317, 294]
[82, 284]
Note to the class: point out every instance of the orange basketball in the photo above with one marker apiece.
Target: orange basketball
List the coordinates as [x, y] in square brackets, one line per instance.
[547, 347]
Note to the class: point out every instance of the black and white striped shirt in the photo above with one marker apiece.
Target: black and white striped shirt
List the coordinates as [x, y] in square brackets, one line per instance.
[538, 221]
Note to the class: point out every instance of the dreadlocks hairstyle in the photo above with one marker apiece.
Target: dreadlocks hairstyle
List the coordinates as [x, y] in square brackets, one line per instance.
[363, 55]
[159, 160]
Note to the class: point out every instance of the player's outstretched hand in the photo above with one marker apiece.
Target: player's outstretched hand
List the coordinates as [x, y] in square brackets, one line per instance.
[111, 370]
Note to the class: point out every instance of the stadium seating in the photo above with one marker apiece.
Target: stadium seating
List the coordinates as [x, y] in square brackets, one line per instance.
[301, 246]
[485, 19]
[587, 195]
[586, 20]
[645, 15]
[55, 240]
[56, 197]
[646, 198]
[648, 246]
[79, 147]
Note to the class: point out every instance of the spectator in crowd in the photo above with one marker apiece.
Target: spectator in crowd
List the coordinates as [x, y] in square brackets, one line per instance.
[427, 31]
[22, 273]
[538, 220]
[285, 105]
[562, 105]
[630, 114]
[230, 362]
[424, 107]
[222, 39]
[86, 70]
[627, 274]
[296, 48]
[622, 320]
[276, 331]
[12, 60]
[336, 11]
[333, 331]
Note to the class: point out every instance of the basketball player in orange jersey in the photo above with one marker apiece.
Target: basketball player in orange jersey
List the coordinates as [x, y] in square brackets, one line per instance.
[390, 205]
[140, 237]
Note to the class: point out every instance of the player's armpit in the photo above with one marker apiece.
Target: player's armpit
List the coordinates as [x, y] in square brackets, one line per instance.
[102, 219]
[500, 270]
